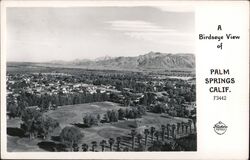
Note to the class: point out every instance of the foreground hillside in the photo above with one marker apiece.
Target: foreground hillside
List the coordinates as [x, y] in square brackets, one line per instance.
[71, 115]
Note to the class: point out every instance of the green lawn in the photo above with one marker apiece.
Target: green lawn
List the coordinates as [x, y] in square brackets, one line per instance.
[71, 114]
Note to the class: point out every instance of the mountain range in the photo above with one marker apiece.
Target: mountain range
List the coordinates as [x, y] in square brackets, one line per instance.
[149, 61]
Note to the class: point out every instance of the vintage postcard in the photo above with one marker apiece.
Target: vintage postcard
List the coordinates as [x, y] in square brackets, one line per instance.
[124, 80]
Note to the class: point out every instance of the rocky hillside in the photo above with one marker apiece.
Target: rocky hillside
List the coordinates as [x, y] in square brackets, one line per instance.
[152, 60]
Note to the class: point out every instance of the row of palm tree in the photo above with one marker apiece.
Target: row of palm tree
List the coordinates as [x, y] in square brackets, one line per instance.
[157, 133]
[103, 145]
[164, 129]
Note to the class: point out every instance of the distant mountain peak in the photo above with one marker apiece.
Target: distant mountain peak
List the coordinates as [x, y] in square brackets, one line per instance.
[149, 61]
[104, 58]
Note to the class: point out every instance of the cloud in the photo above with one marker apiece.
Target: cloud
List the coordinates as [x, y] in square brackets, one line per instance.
[173, 38]
[136, 26]
[148, 31]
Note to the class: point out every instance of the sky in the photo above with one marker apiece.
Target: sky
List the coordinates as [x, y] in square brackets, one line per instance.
[46, 34]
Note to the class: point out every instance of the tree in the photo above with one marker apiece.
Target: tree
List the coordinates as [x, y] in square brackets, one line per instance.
[168, 130]
[70, 135]
[186, 128]
[114, 116]
[98, 117]
[151, 98]
[182, 127]
[121, 114]
[103, 143]
[139, 138]
[141, 110]
[163, 127]
[159, 108]
[133, 133]
[94, 144]
[31, 119]
[173, 131]
[178, 127]
[194, 121]
[190, 125]
[145, 99]
[118, 141]
[48, 125]
[152, 131]
[90, 119]
[131, 113]
[13, 110]
[106, 118]
[85, 147]
[22, 105]
[109, 115]
[111, 142]
[75, 147]
[157, 134]
[146, 132]
[127, 113]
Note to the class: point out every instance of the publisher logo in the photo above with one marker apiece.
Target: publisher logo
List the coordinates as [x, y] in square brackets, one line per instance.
[220, 128]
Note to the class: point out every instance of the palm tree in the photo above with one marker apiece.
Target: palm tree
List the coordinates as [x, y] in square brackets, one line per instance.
[103, 143]
[190, 125]
[157, 134]
[85, 147]
[194, 122]
[146, 132]
[94, 144]
[111, 142]
[163, 127]
[118, 141]
[173, 130]
[186, 128]
[133, 133]
[178, 127]
[168, 129]
[139, 137]
[152, 131]
[182, 127]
